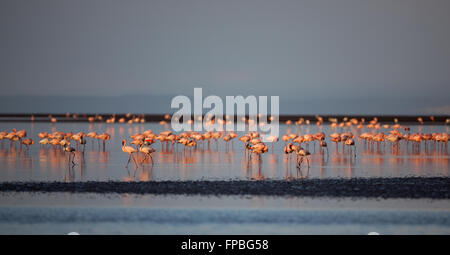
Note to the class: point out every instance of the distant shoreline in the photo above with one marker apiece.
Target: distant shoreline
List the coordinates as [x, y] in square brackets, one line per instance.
[407, 187]
[84, 117]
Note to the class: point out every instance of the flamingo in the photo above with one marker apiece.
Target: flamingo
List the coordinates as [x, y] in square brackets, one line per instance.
[324, 145]
[285, 138]
[130, 150]
[27, 142]
[104, 137]
[83, 142]
[245, 139]
[350, 142]
[226, 138]
[21, 134]
[258, 149]
[301, 153]
[71, 152]
[147, 150]
[272, 139]
[3, 135]
[43, 135]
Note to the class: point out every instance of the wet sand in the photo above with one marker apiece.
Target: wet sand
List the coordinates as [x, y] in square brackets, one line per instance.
[408, 187]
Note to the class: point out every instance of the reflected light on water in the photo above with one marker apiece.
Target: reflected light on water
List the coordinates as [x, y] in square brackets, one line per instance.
[213, 160]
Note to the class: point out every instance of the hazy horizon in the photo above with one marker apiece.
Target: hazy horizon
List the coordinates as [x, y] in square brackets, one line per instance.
[319, 56]
[161, 105]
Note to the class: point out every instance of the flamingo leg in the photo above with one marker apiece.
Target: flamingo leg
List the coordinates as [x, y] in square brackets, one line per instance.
[151, 158]
[135, 162]
[73, 158]
[129, 158]
[145, 157]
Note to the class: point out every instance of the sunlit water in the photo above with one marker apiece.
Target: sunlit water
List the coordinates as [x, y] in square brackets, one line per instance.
[61, 213]
[216, 163]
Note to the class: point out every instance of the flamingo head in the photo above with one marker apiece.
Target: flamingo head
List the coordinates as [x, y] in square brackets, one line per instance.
[124, 142]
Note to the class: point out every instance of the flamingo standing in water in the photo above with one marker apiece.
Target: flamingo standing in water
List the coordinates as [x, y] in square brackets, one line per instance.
[301, 154]
[3, 135]
[245, 139]
[12, 136]
[226, 138]
[350, 142]
[130, 150]
[290, 148]
[104, 137]
[27, 142]
[83, 142]
[258, 148]
[272, 139]
[285, 138]
[71, 152]
[92, 135]
[147, 150]
[324, 145]
[21, 134]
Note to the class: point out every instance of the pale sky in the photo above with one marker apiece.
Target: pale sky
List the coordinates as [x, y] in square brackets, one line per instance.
[297, 49]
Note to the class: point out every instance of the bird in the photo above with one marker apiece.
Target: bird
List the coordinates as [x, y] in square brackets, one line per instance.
[285, 138]
[3, 135]
[71, 152]
[324, 145]
[288, 148]
[272, 139]
[21, 134]
[44, 141]
[105, 137]
[92, 135]
[43, 135]
[147, 150]
[12, 136]
[301, 154]
[258, 149]
[245, 139]
[226, 138]
[130, 150]
[64, 142]
[27, 142]
[83, 142]
[350, 142]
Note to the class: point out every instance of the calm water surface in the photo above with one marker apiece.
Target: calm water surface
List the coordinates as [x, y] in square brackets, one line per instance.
[61, 213]
[216, 163]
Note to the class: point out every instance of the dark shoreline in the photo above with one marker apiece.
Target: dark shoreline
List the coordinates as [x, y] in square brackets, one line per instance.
[408, 187]
[83, 117]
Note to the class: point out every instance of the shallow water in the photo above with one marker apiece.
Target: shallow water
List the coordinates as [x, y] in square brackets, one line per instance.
[61, 213]
[216, 163]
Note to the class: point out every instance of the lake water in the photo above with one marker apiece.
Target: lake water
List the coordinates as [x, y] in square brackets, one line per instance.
[216, 163]
[61, 213]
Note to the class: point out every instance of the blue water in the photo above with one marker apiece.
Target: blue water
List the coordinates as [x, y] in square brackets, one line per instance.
[61, 213]
[61, 220]
[41, 163]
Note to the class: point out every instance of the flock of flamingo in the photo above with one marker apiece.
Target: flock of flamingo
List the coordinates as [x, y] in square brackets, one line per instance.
[294, 144]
